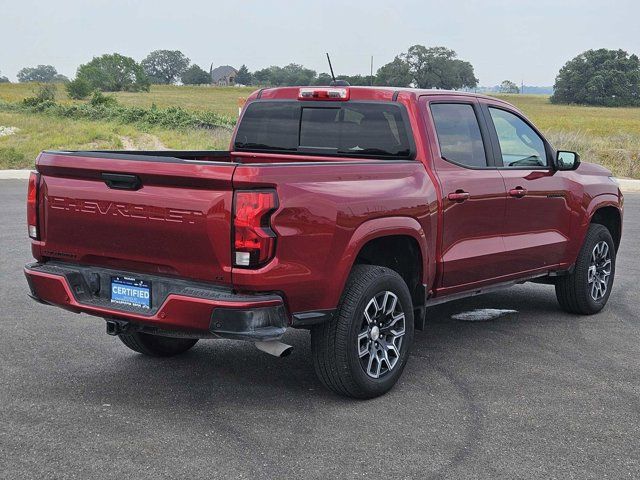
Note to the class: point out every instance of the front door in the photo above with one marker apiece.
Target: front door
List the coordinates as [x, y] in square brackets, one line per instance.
[538, 217]
[473, 195]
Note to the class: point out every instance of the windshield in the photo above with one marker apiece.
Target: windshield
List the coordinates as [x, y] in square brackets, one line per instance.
[350, 129]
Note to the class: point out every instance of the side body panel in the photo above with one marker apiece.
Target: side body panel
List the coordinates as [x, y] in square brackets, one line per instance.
[545, 227]
[537, 234]
[537, 229]
[327, 213]
[539, 204]
[470, 243]
[596, 192]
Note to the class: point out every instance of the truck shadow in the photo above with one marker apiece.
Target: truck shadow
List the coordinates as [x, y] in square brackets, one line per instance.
[224, 371]
[530, 321]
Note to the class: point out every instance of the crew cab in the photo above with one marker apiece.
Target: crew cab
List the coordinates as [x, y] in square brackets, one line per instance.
[344, 210]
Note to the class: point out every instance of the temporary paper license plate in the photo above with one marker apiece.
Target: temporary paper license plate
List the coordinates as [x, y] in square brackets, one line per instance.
[131, 291]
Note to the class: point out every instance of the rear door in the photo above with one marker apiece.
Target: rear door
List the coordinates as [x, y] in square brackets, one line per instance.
[538, 215]
[473, 193]
[138, 213]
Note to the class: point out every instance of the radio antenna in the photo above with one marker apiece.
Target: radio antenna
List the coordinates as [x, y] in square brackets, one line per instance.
[336, 83]
[330, 67]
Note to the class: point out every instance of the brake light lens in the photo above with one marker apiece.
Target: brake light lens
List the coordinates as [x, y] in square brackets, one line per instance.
[340, 94]
[254, 240]
[32, 204]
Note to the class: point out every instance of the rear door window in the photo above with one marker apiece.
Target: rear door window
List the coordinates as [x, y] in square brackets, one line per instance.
[350, 129]
[459, 134]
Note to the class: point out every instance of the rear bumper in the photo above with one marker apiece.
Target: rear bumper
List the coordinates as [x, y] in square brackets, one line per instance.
[188, 308]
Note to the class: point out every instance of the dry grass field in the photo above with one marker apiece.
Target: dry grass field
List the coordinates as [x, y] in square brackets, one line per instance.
[37, 132]
[41, 132]
[223, 100]
[610, 136]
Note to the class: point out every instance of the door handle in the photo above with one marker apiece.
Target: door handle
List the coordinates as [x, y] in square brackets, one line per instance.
[459, 196]
[119, 181]
[517, 192]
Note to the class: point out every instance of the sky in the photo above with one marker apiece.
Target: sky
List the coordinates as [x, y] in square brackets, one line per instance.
[523, 41]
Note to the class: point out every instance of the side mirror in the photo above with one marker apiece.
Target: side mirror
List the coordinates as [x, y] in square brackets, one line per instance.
[566, 160]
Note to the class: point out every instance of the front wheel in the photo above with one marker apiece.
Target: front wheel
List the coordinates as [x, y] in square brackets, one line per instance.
[586, 290]
[363, 349]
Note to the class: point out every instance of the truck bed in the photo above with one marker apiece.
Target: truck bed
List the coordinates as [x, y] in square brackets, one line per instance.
[149, 155]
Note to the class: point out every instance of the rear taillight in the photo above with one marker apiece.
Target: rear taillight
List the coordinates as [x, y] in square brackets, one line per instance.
[254, 241]
[32, 205]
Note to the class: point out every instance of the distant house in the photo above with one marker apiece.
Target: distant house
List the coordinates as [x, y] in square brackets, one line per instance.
[223, 76]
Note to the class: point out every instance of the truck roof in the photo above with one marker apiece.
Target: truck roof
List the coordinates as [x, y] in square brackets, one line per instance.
[363, 92]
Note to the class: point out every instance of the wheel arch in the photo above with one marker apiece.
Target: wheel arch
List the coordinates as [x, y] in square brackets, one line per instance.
[381, 242]
[609, 205]
[609, 216]
[389, 251]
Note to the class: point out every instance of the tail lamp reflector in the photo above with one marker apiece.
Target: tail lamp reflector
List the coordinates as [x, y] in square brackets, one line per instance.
[32, 204]
[323, 94]
[254, 241]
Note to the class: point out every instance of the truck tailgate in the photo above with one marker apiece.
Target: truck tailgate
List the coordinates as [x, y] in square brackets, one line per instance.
[137, 212]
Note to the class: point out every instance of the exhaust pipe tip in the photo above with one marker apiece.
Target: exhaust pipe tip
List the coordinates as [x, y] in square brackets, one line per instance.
[275, 348]
[287, 351]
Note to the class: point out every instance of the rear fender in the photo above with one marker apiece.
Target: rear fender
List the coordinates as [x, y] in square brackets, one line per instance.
[378, 228]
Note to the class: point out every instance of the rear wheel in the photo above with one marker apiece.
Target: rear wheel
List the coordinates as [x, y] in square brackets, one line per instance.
[363, 349]
[587, 289]
[156, 345]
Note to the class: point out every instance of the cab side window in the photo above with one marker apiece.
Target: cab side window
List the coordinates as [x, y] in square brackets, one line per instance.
[520, 145]
[459, 134]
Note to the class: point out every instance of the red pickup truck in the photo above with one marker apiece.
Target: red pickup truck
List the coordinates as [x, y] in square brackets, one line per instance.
[344, 210]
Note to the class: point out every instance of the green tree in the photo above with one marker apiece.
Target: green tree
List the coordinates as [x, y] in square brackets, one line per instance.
[244, 76]
[262, 77]
[59, 78]
[165, 66]
[438, 67]
[360, 80]
[599, 77]
[295, 75]
[395, 74]
[41, 73]
[194, 75]
[323, 79]
[507, 86]
[289, 75]
[3, 79]
[113, 73]
[435, 67]
[78, 89]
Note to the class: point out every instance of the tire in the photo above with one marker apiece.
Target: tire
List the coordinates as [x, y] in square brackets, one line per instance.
[575, 292]
[156, 345]
[337, 344]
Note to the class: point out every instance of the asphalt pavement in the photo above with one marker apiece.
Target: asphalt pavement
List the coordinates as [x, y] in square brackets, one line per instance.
[533, 394]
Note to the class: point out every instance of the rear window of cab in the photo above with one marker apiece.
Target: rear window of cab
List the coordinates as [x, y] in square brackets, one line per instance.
[350, 129]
